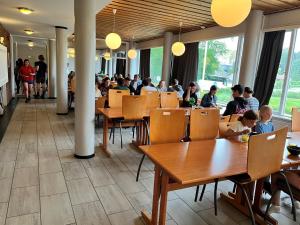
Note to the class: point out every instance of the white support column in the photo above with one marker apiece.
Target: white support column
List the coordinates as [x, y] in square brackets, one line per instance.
[52, 69]
[85, 48]
[114, 64]
[166, 68]
[252, 39]
[12, 67]
[61, 71]
[110, 66]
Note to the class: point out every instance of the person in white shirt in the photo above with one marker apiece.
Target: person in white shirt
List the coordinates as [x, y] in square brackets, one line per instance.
[161, 87]
[147, 87]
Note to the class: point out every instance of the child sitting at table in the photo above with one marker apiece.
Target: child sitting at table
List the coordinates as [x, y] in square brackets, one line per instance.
[243, 126]
[264, 125]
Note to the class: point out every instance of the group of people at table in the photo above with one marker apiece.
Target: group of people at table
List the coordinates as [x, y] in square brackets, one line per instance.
[253, 117]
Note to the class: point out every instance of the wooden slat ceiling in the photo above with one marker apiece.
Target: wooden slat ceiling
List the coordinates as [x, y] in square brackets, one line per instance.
[148, 19]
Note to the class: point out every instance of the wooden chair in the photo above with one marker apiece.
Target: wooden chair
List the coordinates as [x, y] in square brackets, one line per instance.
[234, 117]
[224, 119]
[166, 126]
[99, 103]
[265, 154]
[169, 100]
[295, 119]
[115, 97]
[133, 110]
[204, 125]
[223, 127]
[153, 99]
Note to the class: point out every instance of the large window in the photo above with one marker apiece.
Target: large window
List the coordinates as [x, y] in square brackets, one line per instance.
[156, 61]
[286, 92]
[218, 64]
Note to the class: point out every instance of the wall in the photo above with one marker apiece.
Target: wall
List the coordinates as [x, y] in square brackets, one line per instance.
[31, 53]
[7, 92]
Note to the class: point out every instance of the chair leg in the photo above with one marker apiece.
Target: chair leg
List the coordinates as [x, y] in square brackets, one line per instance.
[234, 188]
[202, 192]
[215, 196]
[291, 196]
[248, 203]
[113, 133]
[121, 134]
[133, 130]
[196, 194]
[139, 169]
[269, 204]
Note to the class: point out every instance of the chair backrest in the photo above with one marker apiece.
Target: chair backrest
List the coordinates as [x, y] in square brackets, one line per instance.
[153, 99]
[224, 118]
[204, 124]
[265, 153]
[295, 119]
[100, 103]
[167, 126]
[235, 117]
[115, 97]
[223, 127]
[169, 100]
[133, 107]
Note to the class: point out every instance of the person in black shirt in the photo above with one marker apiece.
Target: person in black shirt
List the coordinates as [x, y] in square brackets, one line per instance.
[41, 68]
[128, 84]
[189, 96]
[239, 104]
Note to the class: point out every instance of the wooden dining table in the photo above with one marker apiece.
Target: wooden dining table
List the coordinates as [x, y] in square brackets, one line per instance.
[182, 165]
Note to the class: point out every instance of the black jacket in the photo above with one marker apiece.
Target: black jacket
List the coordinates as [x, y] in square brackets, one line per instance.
[237, 106]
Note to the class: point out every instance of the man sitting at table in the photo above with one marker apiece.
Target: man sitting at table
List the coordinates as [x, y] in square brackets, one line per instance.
[176, 87]
[238, 105]
[121, 85]
[190, 97]
[147, 85]
[253, 103]
[243, 126]
[127, 84]
[210, 99]
[135, 82]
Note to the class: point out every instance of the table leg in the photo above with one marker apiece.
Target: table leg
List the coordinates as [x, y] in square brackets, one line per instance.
[155, 202]
[163, 199]
[105, 136]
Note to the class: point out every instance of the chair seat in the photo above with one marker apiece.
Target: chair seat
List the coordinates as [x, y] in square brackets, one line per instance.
[241, 179]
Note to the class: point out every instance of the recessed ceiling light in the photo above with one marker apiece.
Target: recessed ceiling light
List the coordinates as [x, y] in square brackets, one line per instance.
[25, 11]
[202, 27]
[30, 43]
[29, 32]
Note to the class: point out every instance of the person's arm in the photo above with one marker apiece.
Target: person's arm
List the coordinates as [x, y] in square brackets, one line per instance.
[232, 133]
[258, 129]
[228, 110]
[205, 101]
[188, 94]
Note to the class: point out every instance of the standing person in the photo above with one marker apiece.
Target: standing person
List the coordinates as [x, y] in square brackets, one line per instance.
[210, 99]
[161, 87]
[190, 97]
[27, 74]
[253, 103]
[41, 68]
[238, 105]
[19, 64]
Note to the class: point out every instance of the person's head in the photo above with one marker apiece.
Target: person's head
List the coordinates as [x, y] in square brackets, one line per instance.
[175, 82]
[149, 80]
[249, 118]
[26, 62]
[106, 81]
[162, 84]
[136, 77]
[145, 82]
[127, 81]
[41, 58]
[193, 87]
[265, 113]
[213, 90]
[247, 92]
[120, 76]
[112, 78]
[120, 82]
[237, 90]
[19, 62]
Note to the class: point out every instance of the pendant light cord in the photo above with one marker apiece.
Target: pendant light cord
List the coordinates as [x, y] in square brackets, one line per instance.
[180, 25]
[114, 12]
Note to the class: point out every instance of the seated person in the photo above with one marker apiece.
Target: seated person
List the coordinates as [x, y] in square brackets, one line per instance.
[190, 97]
[210, 99]
[176, 87]
[264, 125]
[238, 105]
[105, 86]
[161, 87]
[127, 82]
[243, 126]
[253, 103]
[135, 82]
[150, 82]
[121, 84]
[147, 86]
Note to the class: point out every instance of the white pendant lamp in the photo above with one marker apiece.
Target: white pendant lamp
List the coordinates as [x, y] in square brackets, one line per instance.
[230, 13]
[178, 48]
[132, 53]
[107, 56]
[113, 40]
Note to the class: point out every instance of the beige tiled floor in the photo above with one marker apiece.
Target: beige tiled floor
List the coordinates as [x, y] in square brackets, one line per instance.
[42, 183]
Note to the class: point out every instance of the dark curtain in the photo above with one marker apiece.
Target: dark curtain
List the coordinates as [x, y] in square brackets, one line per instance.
[145, 63]
[185, 67]
[103, 61]
[268, 66]
[121, 66]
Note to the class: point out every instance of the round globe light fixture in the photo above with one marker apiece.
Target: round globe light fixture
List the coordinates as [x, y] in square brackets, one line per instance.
[107, 56]
[230, 13]
[132, 53]
[178, 48]
[113, 41]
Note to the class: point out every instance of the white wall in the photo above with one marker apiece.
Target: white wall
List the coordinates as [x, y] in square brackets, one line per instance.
[31, 53]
